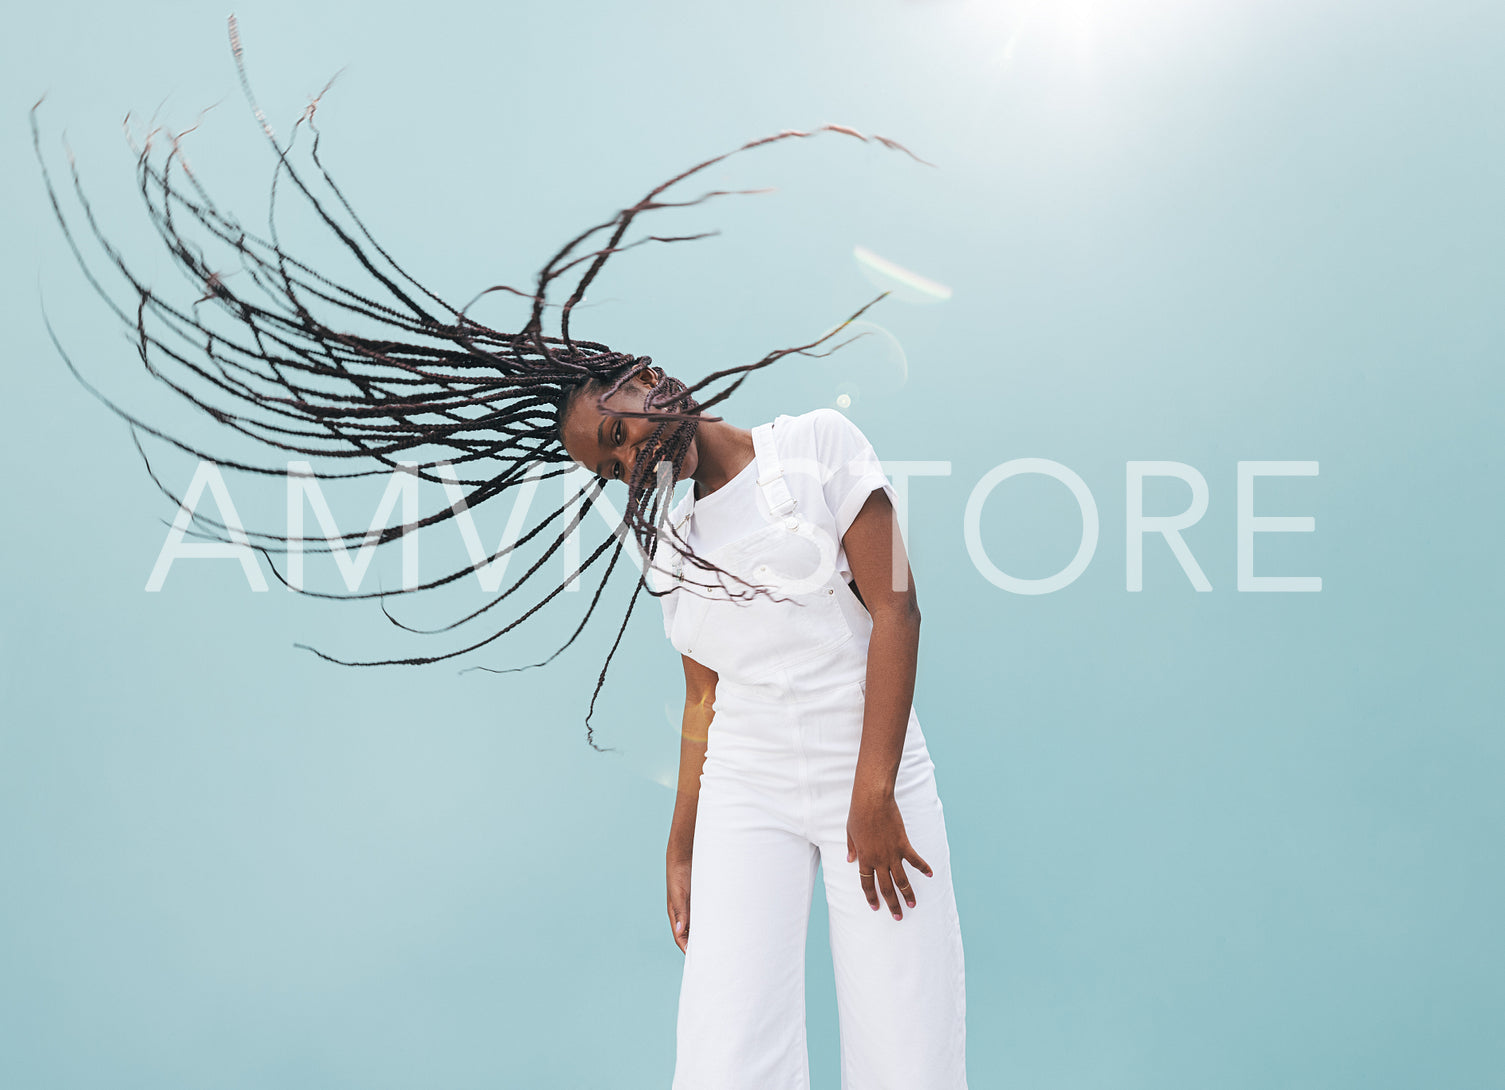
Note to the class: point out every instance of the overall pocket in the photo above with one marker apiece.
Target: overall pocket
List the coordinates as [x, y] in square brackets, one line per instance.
[747, 635]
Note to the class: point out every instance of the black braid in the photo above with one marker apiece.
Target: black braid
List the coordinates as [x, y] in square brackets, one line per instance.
[282, 364]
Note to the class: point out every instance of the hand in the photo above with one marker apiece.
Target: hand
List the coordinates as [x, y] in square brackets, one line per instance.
[678, 873]
[876, 839]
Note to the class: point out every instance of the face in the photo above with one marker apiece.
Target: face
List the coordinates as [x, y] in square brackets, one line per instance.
[610, 446]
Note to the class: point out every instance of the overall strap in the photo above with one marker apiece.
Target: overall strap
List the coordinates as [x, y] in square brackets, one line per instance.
[771, 471]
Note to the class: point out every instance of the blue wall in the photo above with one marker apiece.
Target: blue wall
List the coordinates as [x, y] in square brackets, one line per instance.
[1201, 839]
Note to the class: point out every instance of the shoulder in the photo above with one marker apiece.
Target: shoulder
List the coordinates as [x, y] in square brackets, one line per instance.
[823, 431]
[823, 419]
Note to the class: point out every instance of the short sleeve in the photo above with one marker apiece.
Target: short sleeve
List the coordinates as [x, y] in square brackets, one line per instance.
[850, 467]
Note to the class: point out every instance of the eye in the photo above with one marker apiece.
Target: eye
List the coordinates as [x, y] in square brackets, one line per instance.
[619, 432]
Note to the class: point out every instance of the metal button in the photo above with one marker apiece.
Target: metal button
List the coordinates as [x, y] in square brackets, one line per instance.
[830, 590]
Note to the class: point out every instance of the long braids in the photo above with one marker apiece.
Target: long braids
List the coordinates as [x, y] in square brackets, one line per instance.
[260, 361]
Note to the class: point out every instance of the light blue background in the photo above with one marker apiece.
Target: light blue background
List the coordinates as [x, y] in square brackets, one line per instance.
[1200, 840]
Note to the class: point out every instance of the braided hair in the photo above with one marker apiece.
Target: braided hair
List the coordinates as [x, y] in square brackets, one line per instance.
[305, 365]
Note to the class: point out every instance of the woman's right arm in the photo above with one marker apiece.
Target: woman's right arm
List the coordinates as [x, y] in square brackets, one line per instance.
[700, 694]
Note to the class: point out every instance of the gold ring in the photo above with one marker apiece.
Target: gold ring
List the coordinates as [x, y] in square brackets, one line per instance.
[904, 887]
[860, 874]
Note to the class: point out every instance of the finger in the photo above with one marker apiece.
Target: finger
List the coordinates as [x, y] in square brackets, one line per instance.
[869, 886]
[912, 856]
[679, 923]
[886, 887]
[902, 885]
[851, 849]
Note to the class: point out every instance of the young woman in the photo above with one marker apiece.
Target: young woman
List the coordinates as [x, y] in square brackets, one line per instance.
[799, 746]
[782, 575]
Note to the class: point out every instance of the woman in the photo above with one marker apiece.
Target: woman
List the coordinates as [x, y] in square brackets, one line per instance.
[799, 745]
[799, 739]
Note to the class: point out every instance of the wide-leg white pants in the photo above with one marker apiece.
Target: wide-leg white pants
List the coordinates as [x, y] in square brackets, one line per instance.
[774, 798]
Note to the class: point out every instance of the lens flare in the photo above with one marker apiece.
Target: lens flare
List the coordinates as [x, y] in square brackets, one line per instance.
[870, 362]
[909, 286]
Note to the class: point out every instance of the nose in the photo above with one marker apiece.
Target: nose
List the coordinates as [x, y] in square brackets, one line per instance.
[655, 453]
[632, 460]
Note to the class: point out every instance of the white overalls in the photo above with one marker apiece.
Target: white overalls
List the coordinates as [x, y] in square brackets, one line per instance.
[774, 797]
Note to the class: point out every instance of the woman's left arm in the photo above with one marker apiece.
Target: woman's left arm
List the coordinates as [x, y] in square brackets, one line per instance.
[875, 830]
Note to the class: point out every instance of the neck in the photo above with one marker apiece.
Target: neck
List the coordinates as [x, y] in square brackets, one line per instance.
[723, 450]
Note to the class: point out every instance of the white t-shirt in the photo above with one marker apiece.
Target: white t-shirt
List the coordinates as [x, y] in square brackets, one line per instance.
[830, 469]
